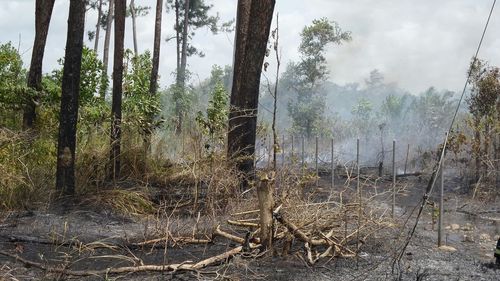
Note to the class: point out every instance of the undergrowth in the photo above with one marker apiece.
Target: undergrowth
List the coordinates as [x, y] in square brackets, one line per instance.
[149, 178]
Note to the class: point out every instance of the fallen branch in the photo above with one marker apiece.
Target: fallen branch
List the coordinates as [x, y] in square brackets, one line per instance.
[477, 215]
[242, 223]
[130, 269]
[234, 238]
[176, 240]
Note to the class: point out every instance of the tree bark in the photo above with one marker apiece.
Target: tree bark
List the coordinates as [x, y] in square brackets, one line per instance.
[43, 14]
[153, 85]
[98, 27]
[181, 72]
[107, 39]
[134, 28]
[177, 36]
[65, 175]
[235, 139]
[153, 82]
[116, 106]
[275, 98]
[266, 203]
[253, 28]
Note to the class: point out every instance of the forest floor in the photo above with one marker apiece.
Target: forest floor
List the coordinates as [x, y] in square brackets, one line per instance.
[85, 237]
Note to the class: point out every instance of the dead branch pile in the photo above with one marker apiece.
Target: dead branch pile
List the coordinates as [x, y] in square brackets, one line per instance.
[325, 230]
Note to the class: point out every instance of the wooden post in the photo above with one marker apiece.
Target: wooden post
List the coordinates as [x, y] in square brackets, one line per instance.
[316, 162]
[303, 157]
[333, 168]
[406, 159]
[360, 201]
[393, 177]
[357, 166]
[183, 136]
[256, 152]
[266, 203]
[283, 151]
[270, 151]
[441, 204]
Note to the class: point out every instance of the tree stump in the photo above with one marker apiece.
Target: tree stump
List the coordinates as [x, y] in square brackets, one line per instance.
[266, 203]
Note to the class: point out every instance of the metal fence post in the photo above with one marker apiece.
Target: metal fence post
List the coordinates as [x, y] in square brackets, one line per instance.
[316, 160]
[393, 177]
[357, 167]
[333, 168]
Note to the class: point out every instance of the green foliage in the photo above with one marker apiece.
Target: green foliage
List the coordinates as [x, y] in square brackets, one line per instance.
[11, 66]
[363, 112]
[393, 106]
[140, 108]
[485, 89]
[305, 78]
[182, 100]
[13, 90]
[434, 109]
[92, 76]
[215, 121]
[198, 18]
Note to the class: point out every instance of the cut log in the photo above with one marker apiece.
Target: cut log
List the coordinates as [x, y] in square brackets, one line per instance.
[266, 203]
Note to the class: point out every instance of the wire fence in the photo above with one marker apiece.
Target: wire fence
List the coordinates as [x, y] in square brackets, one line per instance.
[326, 152]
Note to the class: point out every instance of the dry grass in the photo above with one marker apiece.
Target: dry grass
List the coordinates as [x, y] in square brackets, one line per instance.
[28, 169]
[135, 201]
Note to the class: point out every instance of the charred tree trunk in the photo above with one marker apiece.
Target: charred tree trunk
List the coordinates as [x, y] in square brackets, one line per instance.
[65, 176]
[235, 139]
[153, 85]
[253, 26]
[107, 39]
[177, 35]
[134, 27]
[181, 72]
[98, 27]
[43, 13]
[116, 107]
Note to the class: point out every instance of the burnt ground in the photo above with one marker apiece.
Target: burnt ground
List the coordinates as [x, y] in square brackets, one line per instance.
[86, 238]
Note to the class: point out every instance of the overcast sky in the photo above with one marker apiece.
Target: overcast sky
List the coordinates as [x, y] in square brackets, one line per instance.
[414, 43]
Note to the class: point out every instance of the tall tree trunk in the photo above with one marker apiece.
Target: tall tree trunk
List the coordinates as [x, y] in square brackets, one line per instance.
[253, 26]
[181, 72]
[65, 176]
[275, 98]
[153, 82]
[185, 30]
[98, 27]
[116, 106]
[177, 37]
[107, 39]
[43, 13]
[153, 85]
[134, 28]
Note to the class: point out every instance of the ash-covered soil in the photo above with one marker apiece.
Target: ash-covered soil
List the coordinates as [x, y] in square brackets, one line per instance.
[84, 239]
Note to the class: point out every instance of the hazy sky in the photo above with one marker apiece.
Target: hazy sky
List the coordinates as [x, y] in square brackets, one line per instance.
[414, 43]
